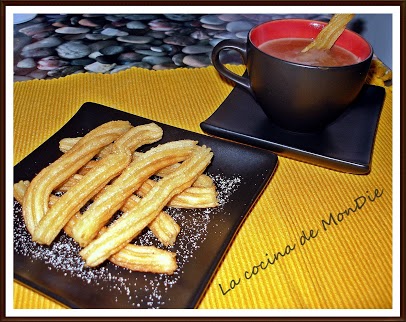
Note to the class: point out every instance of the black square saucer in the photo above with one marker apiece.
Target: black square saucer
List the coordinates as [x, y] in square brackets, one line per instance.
[344, 145]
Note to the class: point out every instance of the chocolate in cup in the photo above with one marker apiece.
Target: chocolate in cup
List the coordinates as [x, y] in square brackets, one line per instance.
[297, 96]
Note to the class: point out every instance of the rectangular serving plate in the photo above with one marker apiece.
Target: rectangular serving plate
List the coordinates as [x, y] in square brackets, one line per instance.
[240, 172]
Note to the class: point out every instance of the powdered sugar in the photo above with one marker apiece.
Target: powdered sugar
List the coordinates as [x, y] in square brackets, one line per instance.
[116, 282]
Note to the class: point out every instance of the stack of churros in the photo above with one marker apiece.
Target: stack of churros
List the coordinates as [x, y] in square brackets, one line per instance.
[103, 193]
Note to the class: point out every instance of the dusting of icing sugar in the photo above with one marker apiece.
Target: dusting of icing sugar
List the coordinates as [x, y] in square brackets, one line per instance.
[225, 188]
[63, 253]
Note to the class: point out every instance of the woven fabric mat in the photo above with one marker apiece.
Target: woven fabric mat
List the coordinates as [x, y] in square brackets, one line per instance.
[348, 265]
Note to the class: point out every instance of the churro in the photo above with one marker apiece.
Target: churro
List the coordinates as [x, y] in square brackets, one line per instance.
[67, 143]
[136, 137]
[75, 198]
[114, 196]
[202, 194]
[130, 141]
[132, 222]
[70, 182]
[192, 197]
[36, 198]
[330, 33]
[163, 226]
[133, 139]
[140, 258]
[19, 190]
[202, 181]
[147, 259]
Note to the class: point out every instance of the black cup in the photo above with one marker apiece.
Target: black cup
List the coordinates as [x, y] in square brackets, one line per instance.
[296, 96]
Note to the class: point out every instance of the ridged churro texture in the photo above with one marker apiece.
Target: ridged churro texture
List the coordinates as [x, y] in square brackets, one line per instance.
[347, 267]
[133, 221]
[109, 184]
[329, 34]
[35, 203]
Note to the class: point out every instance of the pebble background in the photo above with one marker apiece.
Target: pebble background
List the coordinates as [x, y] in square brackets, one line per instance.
[52, 46]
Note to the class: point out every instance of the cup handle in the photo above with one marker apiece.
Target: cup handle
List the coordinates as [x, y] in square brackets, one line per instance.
[241, 48]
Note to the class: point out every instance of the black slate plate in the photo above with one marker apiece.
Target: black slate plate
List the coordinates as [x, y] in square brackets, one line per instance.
[240, 172]
[345, 145]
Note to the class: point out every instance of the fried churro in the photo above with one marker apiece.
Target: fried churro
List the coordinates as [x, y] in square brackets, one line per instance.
[19, 190]
[147, 259]
[330, 33]
[133, 139]
[203, 180]
[192, 197]
[114, 196]
[132, 222]
[136, 137]
[163, 226]
[75, 198]
[67, 143]
[139, 258]
[202, 194]
[36, 198]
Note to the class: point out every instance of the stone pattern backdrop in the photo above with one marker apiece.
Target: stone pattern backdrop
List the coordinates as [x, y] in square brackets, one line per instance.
[53, 45]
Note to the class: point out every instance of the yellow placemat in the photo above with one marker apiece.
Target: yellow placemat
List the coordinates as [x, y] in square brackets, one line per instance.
[345, 265]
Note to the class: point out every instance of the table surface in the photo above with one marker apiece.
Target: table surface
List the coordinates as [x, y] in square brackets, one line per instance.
[338, 269]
